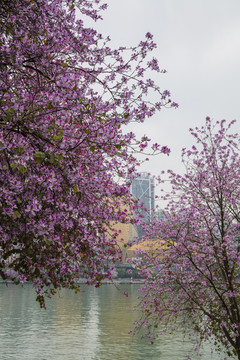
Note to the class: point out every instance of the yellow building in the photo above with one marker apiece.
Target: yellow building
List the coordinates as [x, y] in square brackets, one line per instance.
[127, 234]
[156, 247]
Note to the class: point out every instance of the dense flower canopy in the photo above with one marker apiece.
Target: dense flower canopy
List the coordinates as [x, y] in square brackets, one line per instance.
[196, 283]
[66, 97]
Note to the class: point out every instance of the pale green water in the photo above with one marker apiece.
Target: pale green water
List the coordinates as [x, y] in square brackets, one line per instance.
[92, 325]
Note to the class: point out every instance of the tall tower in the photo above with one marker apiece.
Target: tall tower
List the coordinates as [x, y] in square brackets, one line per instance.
[142, 188]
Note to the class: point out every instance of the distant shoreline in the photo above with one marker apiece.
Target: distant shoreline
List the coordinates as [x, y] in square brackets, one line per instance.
[84, 281]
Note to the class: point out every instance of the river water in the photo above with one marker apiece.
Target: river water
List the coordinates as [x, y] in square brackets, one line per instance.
[92, 325]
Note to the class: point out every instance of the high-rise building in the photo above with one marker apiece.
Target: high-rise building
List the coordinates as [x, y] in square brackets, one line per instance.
[142, 188]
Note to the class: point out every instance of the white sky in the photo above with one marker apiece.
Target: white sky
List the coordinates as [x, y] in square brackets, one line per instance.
[199, 45]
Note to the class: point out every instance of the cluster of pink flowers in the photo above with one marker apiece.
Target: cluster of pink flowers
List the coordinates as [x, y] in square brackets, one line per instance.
[195, 276]
[65, 95]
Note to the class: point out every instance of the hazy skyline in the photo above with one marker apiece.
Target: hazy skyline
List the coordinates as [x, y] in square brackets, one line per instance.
[199, 46]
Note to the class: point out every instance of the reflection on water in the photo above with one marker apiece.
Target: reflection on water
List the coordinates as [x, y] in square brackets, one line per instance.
[92, 325]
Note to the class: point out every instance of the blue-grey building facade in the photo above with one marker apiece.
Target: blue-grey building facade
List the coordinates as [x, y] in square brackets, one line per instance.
[142, 188]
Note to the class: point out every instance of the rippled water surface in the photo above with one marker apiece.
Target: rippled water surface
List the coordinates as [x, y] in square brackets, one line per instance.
[92, 325]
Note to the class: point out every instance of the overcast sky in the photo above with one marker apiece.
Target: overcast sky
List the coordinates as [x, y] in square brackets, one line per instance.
[199, 46]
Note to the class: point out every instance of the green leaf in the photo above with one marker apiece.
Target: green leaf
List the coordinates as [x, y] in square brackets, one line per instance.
[39, 156]
[9, 27]
[92, 148]
[87, 131]
[13, 165]
[59, 135]
[23, 169]
[19, 150]
[52, 158]
[16, 213]
[49, 106]
[75, 189]
[60, 157]
[9, 114]
[48, 242]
